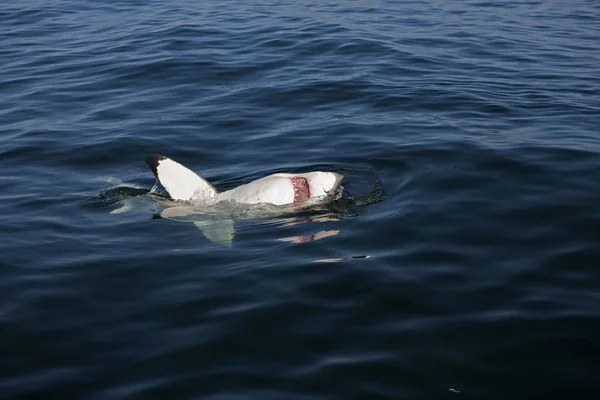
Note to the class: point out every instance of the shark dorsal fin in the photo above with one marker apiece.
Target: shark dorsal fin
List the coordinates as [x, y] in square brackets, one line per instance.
[180, 182]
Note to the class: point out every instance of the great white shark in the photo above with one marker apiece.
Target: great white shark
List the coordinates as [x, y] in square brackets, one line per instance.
[285, 190]
[281, 198]
[273, 194]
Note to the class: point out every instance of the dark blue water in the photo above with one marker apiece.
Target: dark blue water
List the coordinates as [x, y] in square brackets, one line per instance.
[474, 273]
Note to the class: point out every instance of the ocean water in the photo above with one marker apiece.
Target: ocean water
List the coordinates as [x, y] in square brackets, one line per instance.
[465, 265]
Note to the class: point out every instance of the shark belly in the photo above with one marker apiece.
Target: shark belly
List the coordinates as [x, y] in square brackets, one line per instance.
[280, 189]
[273, 189]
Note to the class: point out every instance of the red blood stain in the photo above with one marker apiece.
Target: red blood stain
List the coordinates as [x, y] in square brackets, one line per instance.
[301, 189]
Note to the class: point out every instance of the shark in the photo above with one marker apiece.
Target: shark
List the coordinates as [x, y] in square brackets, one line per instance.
[297, 191]
[274, 194]
[283, 198]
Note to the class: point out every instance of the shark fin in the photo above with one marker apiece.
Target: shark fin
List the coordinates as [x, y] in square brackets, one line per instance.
[220, 231]
[126, 207]
[180, 182]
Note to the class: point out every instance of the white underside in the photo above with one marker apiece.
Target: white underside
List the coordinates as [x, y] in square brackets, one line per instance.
[278, 189]
[184, 184]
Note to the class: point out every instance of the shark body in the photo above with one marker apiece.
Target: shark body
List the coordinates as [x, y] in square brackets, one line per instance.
[282, 199]
[281, 189]
[214, 212]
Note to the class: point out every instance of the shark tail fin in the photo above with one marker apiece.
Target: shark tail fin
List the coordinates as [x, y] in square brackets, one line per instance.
[180, 182]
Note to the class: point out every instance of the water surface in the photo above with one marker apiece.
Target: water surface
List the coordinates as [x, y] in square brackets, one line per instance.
[476, 274]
